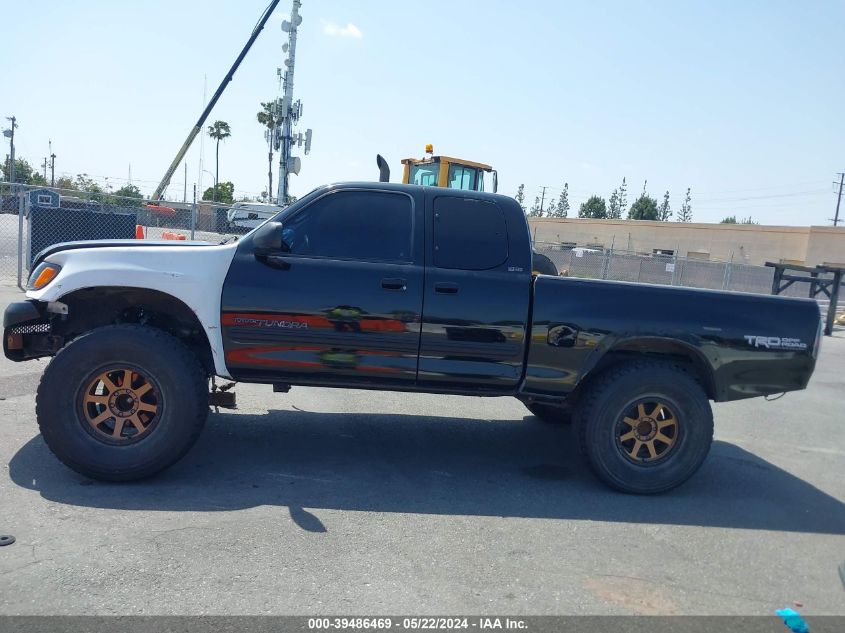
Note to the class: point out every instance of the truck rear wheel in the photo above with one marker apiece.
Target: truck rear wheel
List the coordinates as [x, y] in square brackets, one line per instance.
[550, 414]
[645, 426]
[122, 402]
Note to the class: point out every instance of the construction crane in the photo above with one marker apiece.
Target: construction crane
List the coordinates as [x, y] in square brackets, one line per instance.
[159, 192]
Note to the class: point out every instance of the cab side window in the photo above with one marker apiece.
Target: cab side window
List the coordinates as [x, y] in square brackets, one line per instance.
[469, 234]
[355, 225]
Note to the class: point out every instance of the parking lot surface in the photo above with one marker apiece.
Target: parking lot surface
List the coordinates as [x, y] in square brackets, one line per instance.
[352, 502]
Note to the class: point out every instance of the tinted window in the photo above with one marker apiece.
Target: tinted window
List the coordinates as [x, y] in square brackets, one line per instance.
[360, 225]
[469, 234]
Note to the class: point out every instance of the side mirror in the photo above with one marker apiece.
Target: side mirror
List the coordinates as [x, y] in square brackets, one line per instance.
[268, 240]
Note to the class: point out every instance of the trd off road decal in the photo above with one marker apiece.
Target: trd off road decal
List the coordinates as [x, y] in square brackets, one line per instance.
[775, 342]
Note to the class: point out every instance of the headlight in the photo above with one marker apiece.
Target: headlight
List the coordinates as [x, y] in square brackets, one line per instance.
[43, 274]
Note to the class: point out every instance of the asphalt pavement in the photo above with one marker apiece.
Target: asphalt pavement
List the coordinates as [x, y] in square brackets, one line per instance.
[325, 501]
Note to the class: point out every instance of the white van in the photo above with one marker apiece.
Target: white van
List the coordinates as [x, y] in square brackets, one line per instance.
[245, 216]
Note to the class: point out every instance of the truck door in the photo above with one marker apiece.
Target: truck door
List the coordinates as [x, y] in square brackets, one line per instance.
[341, 304]
[476, 295]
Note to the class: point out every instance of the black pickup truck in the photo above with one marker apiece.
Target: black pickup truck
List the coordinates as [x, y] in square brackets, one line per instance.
[390, 287]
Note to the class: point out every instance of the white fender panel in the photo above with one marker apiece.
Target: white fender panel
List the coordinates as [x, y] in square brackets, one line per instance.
[193, 273]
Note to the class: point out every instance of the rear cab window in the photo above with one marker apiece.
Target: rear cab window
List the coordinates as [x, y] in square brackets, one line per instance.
[469, 234]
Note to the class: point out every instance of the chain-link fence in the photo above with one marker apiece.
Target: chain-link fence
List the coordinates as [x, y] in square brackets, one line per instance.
[32, 218]
[594, 263]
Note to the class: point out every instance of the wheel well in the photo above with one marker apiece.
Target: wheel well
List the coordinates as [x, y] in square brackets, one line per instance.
[90, 308]
[685, 357]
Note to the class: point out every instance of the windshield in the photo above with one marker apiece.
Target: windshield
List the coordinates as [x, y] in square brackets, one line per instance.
[424, 174]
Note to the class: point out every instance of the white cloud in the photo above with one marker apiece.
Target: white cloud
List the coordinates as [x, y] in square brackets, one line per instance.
[335, 30]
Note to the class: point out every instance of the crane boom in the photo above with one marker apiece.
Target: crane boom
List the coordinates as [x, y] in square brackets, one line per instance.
[159, 192]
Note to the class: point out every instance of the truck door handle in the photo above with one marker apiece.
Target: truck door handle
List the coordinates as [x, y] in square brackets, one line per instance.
[394, 284]
[446, 288]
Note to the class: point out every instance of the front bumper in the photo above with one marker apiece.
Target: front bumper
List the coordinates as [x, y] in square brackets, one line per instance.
[27, 331]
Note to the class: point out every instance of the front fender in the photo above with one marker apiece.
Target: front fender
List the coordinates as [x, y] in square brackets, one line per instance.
[192, 274]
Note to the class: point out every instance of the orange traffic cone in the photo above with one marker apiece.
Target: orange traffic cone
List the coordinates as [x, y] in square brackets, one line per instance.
[139, 232]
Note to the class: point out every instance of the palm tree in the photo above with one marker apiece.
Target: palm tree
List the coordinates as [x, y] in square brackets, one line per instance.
[219, 130]
[267, 117]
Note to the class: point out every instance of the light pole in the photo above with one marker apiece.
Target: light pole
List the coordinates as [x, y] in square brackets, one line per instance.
[214, 178]
[10, 134]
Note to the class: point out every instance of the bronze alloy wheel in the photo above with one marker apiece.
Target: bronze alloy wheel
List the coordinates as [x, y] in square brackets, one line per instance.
[120, 405]
[648, 431]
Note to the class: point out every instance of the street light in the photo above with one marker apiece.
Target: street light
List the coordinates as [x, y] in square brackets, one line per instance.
[214, 191]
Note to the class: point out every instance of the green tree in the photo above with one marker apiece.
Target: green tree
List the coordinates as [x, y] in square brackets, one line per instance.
[731, 219]
[594, 207]
[520, 197]
[644, 208]
[534, 211]
[562, 209]
[128, 196]
[63, 182]
[623, 198]
[219, 130]
[83, 182]
[551, 210]
[749, 220]
[23, 171]
[614, 210]
[267, 117]
[664, 211]
[685, 214]
[225, 193]
[38, 179]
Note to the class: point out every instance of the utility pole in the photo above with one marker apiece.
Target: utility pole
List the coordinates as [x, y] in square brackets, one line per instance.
[44, 167]
[542, 200]
[52, 165]
[185, 188]
[839, 198]
[10, 134]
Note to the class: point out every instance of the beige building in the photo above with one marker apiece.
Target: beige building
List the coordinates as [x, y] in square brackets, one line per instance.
[746, 243]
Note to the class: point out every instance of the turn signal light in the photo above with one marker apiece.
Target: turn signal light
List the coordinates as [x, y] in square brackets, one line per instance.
[42, 275]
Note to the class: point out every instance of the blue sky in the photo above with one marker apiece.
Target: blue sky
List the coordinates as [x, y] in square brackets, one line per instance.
[741, 101]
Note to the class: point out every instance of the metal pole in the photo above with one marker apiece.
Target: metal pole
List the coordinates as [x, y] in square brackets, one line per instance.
[839, 198]
[12, 151]
[194, 212]
[185, 187]
[542, 200]
[20, 242]
[52, 170]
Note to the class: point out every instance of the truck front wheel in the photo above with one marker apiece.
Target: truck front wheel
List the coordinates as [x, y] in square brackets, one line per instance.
[122, 402]
[645, 426]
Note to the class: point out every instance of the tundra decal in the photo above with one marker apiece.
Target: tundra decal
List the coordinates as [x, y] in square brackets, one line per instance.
[775, 342]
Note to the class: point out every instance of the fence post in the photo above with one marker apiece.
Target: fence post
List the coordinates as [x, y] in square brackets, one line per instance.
[20, 240]
[674, 266]
[607, 256]
[194, 214]
[726, 281]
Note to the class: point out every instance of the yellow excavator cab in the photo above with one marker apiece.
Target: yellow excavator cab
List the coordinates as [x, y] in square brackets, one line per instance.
[446, 171]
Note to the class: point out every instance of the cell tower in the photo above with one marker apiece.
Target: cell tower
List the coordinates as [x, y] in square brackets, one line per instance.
[288, 111]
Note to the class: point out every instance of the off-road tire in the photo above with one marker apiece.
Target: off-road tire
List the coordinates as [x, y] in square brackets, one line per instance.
[182, 386]
[603, 407]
